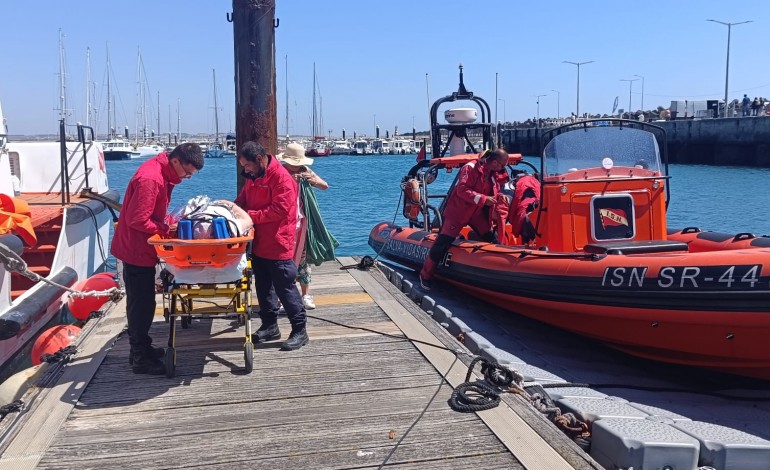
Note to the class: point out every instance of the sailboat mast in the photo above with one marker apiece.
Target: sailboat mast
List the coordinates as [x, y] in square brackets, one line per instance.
[178, 120]
[109, 99]
[88, 86]
[315, 130]
[286, 73]
[62, 80]
[216, 112]
[158, 134]
[138, 95]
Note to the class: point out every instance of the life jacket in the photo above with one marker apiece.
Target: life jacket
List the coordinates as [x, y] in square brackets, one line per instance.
[525, 197]
[412, 198]
[16, 217]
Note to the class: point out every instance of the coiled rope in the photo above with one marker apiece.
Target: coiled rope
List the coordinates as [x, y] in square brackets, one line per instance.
[469, 397]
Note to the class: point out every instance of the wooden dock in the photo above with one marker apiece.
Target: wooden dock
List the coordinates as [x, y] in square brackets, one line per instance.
[351, 398]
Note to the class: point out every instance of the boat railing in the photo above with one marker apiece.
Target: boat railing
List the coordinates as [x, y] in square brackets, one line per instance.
[86, 142]
[86, 137]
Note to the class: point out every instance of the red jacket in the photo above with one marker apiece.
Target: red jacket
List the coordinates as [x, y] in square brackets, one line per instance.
[144, 211]
[271, 201]
[468, 196]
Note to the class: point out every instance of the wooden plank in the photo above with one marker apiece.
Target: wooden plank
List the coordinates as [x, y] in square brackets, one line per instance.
[54, 405]
[513, 431]
[302, 445]
[568, 449]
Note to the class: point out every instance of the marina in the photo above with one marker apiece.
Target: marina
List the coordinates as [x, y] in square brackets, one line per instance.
[588, 291]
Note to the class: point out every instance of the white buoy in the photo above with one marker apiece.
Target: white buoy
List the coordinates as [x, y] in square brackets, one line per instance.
[17, 384]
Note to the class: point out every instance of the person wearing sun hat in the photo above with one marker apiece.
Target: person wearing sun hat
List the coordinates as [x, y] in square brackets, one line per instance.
[298, 165]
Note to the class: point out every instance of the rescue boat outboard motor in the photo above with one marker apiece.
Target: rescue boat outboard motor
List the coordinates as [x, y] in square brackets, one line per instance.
[459, 116]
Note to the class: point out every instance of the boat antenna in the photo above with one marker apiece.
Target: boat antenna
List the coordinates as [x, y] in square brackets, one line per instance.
[462, 93]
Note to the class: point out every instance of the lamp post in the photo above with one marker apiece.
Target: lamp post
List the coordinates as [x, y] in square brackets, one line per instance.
[500, 99]
[727, 67]
[537, 123]
[642, 90]
[630, 86]
[558, 100]
[578, 64]
[495, 96]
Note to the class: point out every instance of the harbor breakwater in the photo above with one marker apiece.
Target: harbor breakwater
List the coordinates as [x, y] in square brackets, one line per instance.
[727, 141]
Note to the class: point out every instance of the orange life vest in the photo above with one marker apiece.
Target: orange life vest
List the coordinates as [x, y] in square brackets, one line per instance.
[15, 216]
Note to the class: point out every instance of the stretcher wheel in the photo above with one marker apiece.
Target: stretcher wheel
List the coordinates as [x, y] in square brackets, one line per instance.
[248, 356]
[170, 362]
[166, 314]
[186, 320]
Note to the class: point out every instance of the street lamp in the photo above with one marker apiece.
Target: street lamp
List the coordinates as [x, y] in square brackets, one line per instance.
[642, 90]
[578, 64]
[630, 86]
[537, 123]
[500, 99]
[558, 100]
[727, 67]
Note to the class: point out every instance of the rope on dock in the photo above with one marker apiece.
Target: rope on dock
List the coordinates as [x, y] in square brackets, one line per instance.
[12, 407]
[469, 397]
[15, 263]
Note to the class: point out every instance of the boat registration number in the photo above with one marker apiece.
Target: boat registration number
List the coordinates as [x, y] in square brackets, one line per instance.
[720, 277]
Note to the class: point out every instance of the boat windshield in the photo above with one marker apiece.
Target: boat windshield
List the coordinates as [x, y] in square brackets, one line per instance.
[589, 147]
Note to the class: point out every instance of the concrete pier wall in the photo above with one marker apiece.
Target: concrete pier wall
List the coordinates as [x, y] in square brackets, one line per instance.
[729, 141]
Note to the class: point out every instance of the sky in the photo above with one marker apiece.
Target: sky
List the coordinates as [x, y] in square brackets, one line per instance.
[378, 63]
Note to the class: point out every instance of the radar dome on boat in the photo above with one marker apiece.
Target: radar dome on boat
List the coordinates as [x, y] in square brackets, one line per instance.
[461, 115]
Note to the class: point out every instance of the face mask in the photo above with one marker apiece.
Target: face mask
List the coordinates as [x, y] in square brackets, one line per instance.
[247, 175]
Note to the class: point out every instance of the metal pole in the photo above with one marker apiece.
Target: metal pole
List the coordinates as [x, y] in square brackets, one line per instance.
[642, 90]
[537, 123]
[630, 86]
[558, 100]
[578, 64]
[495, 96]
[727, 66]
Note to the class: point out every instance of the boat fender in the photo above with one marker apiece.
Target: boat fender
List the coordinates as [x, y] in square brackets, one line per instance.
[26, 312]
[81, 307]
[17, 384]
[412, 201]
[53, 340]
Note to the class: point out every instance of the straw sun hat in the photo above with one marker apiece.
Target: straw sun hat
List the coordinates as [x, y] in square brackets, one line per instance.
[295, 155]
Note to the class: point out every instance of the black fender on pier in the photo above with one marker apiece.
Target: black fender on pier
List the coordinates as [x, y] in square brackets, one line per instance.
[22, 315]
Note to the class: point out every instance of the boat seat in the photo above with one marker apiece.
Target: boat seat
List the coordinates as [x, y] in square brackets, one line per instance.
[630, 247]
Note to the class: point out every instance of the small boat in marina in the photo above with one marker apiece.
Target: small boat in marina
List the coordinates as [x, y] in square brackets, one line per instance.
[118, 149]
[585, 246]
[56, 205]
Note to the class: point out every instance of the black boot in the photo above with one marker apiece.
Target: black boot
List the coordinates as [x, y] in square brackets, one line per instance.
[266, 333]
[296, 340]
[153, 351]
[147, 364]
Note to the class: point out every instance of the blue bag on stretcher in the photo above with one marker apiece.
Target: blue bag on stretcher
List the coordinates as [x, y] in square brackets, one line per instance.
[202, 218]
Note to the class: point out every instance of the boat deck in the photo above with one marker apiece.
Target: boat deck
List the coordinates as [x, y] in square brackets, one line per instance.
[47, 207]
[351, 398]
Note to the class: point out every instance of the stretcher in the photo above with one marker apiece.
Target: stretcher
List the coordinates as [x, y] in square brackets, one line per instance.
[203, 300]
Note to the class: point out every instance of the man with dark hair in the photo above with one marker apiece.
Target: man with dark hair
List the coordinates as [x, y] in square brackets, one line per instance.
[270, 198]
[469, 203]
[143, 214]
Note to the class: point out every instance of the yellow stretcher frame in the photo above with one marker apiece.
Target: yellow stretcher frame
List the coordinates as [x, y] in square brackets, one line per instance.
[179, 299]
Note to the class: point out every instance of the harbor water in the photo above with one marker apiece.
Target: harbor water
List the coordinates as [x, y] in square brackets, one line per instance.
[364, 190]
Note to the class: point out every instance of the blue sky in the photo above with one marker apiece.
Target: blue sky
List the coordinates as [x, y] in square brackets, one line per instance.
[372, 57]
